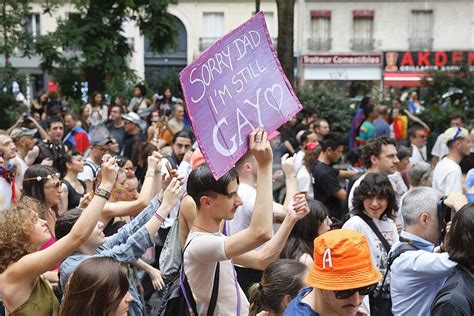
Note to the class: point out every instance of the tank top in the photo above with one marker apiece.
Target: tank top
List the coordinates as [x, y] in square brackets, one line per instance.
[42, 301]
[73, 197]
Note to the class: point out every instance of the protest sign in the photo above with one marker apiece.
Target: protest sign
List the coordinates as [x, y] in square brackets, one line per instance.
[233, 87]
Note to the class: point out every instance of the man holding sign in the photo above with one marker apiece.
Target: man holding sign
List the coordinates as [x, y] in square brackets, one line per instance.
[234, 87]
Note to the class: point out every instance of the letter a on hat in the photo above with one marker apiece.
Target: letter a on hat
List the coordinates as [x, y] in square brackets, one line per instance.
[327, 258]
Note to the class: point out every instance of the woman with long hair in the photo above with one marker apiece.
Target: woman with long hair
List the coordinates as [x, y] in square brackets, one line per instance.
[98, 111]
[73, 189]
[23, 290]
[98, 286]
[299, 245]
[281, 281]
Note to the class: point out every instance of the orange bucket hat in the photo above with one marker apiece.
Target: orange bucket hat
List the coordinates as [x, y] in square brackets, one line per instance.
[342, 262]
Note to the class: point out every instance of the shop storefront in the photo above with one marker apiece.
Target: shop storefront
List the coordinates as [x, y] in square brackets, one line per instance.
[345, 70]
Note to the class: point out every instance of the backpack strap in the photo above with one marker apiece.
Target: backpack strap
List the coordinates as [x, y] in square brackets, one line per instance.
[404, 247]
[215, 292]
[89, 164]
[375, 229]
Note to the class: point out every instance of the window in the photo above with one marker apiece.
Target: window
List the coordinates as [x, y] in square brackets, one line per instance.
[320, 31]
[213, 29]
[363, 30]
[421, 30]
[75, 17]
[33, 26]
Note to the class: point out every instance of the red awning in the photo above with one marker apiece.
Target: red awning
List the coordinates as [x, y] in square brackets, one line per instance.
[400, 79]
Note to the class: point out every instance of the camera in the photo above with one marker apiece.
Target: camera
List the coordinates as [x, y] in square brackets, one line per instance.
[444, 217]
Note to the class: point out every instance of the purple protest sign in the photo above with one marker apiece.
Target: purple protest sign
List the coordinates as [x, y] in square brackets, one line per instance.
[233, 87]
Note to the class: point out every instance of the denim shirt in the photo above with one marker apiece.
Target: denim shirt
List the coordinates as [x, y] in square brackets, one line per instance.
[127, 245]
[416, 276]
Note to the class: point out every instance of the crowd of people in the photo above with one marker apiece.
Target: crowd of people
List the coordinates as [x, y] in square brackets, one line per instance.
[103, 212]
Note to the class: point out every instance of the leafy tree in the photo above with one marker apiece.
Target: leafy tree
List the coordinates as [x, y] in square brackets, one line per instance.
[330, 103]
[101, 49]
[13, 39]
[439, 109]
[286, 15]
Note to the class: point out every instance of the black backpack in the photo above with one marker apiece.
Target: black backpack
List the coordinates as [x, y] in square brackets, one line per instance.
[177, 298]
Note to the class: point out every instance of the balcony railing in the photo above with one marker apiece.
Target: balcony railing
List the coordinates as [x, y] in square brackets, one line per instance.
[319, 44]
[420, 43]
[362, 44]
[205, 42]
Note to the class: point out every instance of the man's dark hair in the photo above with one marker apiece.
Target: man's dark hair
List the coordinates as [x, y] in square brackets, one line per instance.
[403, 152]
[73, 115]
[461, 238]
[317, 123]
[53, 119]
[185, 134]
[374, 148]
[332, 140]
[375, 185]
[201, 183]
[65, 222]
[122, 111]
[415, 128]
[304, 137]
[456, 117]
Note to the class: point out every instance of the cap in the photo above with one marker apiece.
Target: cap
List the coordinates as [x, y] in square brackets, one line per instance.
[197, 159]
[134, 118]
[22, 131]
[454, 133]
[470, 179]
[100, 136]
[342, 261]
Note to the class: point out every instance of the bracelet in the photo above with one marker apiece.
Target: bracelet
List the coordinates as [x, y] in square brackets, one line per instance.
[159, 217]
[102, 193]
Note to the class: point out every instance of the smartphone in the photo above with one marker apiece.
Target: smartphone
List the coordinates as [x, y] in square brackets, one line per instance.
[170, 170]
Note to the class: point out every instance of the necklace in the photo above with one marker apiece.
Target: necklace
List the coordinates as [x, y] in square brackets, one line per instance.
[203, 229]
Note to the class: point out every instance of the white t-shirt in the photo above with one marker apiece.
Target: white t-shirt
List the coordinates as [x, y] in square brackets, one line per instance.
[440, 149]
[379, 256]
[447, 177]
[5, 194]
[400, 186]
[20, 171]
[299, 156]
[200, 259]
[90, 171]
[305, 182]
[418, 154]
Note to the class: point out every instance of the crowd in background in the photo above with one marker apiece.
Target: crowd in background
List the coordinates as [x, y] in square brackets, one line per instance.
[104, 210]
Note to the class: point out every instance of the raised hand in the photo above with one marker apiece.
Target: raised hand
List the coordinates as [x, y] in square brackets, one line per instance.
[170, 196]
[109, 169]
[260, 147]
[288, 165]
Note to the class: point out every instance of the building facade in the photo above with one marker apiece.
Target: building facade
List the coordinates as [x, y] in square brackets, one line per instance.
[342, 41]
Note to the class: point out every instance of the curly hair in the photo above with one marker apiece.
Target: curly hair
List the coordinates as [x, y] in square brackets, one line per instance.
[16, 225]
[374, 148]
[375, 184]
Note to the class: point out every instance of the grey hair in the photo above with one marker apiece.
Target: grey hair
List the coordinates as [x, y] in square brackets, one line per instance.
[419, 171]
[417, 201]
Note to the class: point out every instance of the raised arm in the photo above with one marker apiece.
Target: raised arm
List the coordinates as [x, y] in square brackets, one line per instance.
[36, 263]
[149, 190]
[260, 259]
[260, 228]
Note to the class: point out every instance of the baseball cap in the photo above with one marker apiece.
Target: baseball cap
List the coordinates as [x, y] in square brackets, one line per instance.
[134, 118]
[454, 133]
[100, 136]
[342, 261]
[22, 131]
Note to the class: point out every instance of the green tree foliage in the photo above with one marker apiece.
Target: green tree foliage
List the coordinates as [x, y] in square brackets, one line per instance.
[331, 104]
[438, 110]
[95, 38]
[13, 40]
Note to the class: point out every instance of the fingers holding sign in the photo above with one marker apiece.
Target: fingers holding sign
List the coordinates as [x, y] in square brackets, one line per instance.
[260, 147]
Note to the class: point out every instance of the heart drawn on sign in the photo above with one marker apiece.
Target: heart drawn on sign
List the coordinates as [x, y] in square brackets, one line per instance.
[270, 96]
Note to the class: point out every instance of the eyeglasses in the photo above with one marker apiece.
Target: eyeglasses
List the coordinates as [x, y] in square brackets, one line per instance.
[56, 185]
[340, 295]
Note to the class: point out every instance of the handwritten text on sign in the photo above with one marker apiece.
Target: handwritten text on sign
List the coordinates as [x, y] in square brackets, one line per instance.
[234, 87]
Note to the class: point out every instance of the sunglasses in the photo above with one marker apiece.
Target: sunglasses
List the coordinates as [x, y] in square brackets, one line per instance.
[56, 186]
[340, 295]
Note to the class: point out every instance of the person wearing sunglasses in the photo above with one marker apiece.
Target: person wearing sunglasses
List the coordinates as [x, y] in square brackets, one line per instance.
[447, 175]
[341, 276]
